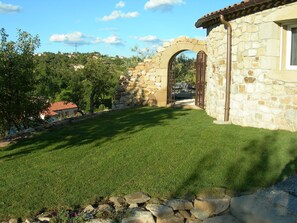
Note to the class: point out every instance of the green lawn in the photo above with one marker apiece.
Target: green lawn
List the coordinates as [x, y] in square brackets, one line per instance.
[163, 152]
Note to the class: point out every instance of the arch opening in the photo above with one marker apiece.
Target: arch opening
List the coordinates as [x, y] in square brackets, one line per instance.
[186, 79]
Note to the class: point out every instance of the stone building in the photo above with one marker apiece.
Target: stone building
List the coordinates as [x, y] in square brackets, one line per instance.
[251, 71]
[263, 63]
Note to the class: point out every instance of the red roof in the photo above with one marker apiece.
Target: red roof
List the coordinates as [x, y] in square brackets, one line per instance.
[240, 9]
[59, 106]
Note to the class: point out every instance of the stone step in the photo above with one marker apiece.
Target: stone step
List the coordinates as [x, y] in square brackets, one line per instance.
[269, 206]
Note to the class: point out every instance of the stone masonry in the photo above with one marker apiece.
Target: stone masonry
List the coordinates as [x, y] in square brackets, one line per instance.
[146, 84]
[263, 92]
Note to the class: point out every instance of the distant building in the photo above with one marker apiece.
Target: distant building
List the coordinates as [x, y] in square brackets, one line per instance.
[60, 110]
[78, 67]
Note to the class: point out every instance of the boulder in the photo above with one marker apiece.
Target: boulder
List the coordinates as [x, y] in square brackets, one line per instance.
[137, 198]
[204, 206]
[133, 206]
[213, 206]
[117, 201]
[179, 204]
[172, 219]
[160, 211]
[140, 217]
[200, 214]
[185, 214]
[257, 208]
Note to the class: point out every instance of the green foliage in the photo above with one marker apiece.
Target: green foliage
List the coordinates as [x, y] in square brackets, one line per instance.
[184, 69]
[19, 98]
[100, 81]
[76, 91]
[143, 53]
[85, 79]
[67, 216]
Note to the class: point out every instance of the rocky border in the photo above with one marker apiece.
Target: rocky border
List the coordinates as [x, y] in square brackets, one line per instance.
[216, 205]
[141, 208]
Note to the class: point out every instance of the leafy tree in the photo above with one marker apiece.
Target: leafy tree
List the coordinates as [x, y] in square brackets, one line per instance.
[184, 69]
[19, 101]
[47, 78]
[76, 91]
[64, 76]
[143, 53]
[100, 80]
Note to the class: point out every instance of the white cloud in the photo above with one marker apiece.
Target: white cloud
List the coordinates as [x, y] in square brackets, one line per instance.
[8, 8]
[79, 38]
[162, 5]
[111, 40]
[149, 38]
[119, 14]
[120, 4]
[70, 38]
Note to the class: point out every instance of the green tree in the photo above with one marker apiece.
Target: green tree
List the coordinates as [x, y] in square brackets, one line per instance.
[47, 78]
[19, 101]
[184, 69]
[101, 80]
[76, 91]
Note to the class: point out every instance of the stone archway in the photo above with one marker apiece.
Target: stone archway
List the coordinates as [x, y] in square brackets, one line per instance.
[165, 55]
[187, 94]
[146, 84]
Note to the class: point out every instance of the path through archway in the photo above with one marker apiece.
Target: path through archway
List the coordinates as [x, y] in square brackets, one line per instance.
[186, 79]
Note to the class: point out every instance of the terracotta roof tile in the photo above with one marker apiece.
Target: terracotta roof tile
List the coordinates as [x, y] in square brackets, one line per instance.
[59, 106]
[240, 9]
[62, 105]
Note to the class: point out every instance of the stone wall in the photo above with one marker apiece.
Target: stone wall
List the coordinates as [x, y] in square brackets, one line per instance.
[263, 92]
[146, 84]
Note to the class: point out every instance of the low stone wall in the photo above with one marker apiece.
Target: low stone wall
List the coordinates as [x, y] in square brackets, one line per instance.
[139, 87]
[215, 205]
[141, 208]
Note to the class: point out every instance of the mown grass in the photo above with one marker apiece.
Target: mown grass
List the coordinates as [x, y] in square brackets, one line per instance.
[163, 152]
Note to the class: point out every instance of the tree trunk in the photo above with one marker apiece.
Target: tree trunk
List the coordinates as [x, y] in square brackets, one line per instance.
[92, 103]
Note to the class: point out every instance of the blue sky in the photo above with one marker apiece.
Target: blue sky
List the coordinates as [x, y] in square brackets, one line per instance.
[110, 27]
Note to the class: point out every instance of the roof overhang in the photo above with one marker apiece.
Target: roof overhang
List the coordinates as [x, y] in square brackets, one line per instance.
[238, 10]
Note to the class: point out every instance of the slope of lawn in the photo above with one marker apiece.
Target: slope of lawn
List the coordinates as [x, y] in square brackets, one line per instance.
[163, 152]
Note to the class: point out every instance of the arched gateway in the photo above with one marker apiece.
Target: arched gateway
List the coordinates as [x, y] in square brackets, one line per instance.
[147, 83]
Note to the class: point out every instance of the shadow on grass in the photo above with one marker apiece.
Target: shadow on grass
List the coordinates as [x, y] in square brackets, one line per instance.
[97, 130]
[291, 167]
[258, 166]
